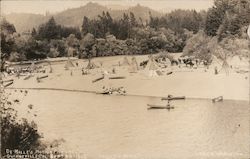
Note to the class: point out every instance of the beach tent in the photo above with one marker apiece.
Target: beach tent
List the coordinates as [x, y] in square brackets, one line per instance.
[237, 62]
[225, 67]
[167, 61]
[91, 65]
[164, 58]
[152, 73]
[68, 64]
[125, 62]
[221, 64]
[33, 66]
[223, 57]
[216, 62]
[151, 67]
[134, 67]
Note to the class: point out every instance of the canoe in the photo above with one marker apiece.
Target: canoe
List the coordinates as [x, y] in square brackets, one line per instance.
[173, 98]
[104, 93]
[159, 107]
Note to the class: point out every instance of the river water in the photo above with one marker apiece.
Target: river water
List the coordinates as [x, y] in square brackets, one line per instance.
[122, 126]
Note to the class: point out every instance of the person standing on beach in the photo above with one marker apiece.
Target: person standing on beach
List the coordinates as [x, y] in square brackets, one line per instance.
[215, 70]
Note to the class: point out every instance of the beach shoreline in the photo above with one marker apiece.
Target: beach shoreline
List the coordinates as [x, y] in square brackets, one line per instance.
[196, 83]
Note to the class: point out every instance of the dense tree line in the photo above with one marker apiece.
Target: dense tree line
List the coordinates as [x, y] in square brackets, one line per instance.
[104, 36]
[51, 30]
[105, 24]
[227, 17]
[224, 33]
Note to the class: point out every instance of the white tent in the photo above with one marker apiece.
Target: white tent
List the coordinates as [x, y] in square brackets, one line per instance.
[91, 65]
[151, 67]
[237, 62]
[68, 64]
[33, 66]
[216, 62]
[221, 65]
[134, 67]
[125, 62]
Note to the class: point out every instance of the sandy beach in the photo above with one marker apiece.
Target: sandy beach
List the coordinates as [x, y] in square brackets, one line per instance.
[189, 82]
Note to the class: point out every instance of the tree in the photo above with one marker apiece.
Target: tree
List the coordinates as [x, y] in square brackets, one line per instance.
[6, 27]
[227, 17]
[198, 46]
[86, 45]
[49, 30]
[85, 25]
[22, 135]
[33, 33]
[133, 22]
[36, 49]
[214, 19]
[7, 41]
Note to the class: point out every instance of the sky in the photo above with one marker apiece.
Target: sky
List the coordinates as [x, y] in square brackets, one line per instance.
[53, 6]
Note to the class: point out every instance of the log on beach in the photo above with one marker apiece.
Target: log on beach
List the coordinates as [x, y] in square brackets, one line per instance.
[169, 73]
[41, 77]
[10, 80]
[27, 77]
[98, 79]
[118, 77]
[8, 84]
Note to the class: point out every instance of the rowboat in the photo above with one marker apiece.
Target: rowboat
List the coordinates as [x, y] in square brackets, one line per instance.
[151, 106]
[217, 99]
[173, 98]
[103, 93]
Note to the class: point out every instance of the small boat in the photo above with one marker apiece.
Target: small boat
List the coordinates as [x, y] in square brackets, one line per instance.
[106, 93]
[173, 98]
[160, 107]
[217, 99]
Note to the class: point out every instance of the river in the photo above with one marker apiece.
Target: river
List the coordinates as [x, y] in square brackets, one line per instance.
[122, 126]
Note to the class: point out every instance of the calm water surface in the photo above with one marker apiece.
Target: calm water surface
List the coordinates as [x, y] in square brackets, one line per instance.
[121, 125]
